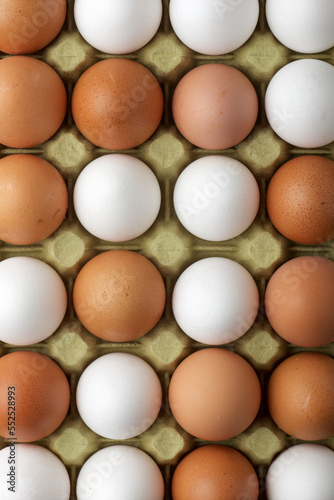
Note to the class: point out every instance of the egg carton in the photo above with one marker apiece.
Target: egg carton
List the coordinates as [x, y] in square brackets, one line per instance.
[260, 249]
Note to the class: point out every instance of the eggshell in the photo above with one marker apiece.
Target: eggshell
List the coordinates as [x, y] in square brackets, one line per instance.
[300, 199]
[37, 474]
[299, 301]
[33, 102]
[33, 199]
[33, 298]
[212, 27]
[27, 26]
[118, 27]
[302, 472]
[214, 394]
[119, 295]
[41, 396]
[300, 396]
[214, 472]
[215, 106]
[121, 472]
[299, 103]
[117, 104]
[119, 396]
[215, 301]
[216, 198]
[117, 197]
[302, 25]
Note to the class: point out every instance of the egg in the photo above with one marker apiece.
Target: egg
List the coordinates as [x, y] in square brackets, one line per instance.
[118, 27]
[302, 472]
[34, 396]
[117, 197]
[215, 106]
[119, 396]
[33, 298]
[32, 472]
[299, 103]
[300, 396]
[214, 394]
[117, 104]
[122, 472]
[27, 26]
[299, 301]
[212, 27]
[302, 25]
[119, 295]
[214, 472]
[33, 102]
[33, 199]
[216, 198]
[300, 199]
[215, 301]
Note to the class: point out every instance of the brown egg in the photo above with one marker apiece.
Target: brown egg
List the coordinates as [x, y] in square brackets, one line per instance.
[214, 473]
[299, 301]
[33, 199]
[300, 199]
[119, 295]
[214, 394]
[301, 396]
[34, 396]
[215, 106]
[33, 101]
[29, 25]
[117, 104]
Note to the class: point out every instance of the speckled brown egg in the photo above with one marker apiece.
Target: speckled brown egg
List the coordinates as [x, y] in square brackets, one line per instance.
[300, 199]
[27, 26]
[119, 295]
[33, 199]
[215, 472]
[33, 101]
[301, 396]
[34, 396]
[117, 104]
[299, 301]
[214, 394]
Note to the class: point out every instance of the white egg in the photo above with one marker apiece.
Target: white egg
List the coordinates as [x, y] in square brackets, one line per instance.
[299, 103]
[302, 472]
[33, 300]
[32, 472]
[117, 197]
[215, 301]
[214, 27]
[119, 396]
[120, 472]
[216, 198]
[302, 25]
[118, 27]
